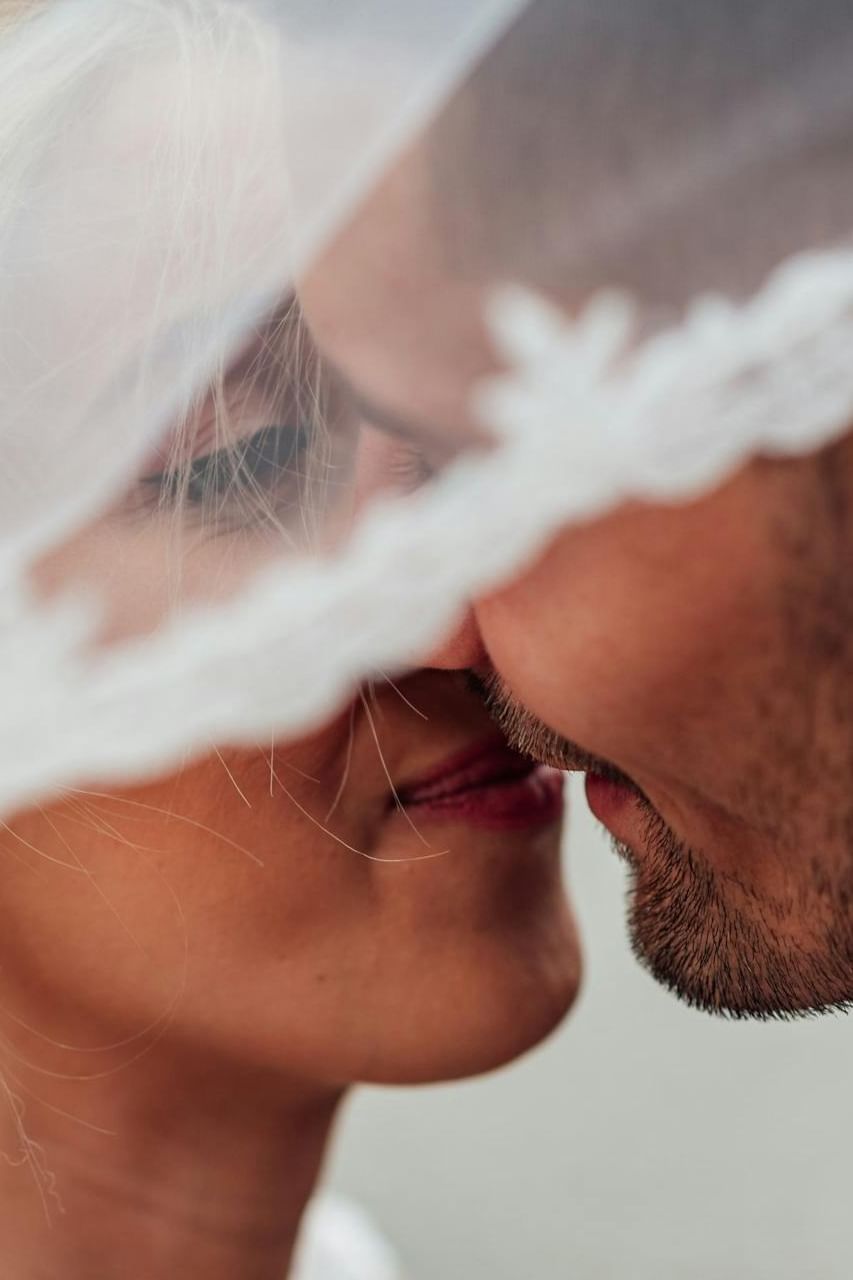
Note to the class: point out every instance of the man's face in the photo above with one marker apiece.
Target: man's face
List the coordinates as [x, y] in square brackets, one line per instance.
[696, 661]
[701, 656]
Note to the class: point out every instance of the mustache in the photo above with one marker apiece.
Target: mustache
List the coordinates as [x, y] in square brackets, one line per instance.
[533, 737]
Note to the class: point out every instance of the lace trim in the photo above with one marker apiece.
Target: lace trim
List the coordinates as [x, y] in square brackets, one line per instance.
[587, 420]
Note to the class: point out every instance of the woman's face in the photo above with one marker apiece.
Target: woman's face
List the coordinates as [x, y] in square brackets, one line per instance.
[382, 902]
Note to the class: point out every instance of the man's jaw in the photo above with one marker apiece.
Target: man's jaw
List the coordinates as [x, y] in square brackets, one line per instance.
[699, 933]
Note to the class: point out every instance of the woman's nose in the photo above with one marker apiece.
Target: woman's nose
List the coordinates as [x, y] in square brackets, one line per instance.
[461, 649]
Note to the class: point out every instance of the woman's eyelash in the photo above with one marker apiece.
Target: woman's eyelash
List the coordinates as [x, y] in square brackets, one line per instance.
[257, 464]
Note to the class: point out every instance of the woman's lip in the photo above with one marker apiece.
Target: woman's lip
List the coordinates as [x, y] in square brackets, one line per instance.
[489, 785]
[486, 761]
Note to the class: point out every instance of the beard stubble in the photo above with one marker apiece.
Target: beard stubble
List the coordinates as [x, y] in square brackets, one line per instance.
[698, 931]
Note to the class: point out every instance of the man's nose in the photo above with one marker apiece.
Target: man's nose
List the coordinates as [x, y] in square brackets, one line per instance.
[462, 649]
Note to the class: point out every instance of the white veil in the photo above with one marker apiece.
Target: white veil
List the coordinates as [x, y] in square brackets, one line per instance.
[675, 178]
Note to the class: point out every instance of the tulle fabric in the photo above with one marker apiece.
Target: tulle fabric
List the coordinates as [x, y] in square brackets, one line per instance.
[654, 200]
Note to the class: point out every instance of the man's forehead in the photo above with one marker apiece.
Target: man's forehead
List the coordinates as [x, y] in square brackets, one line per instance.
[406, 331]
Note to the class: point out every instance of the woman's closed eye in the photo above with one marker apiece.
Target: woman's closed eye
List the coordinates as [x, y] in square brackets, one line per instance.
[270, 447]
[258, 466]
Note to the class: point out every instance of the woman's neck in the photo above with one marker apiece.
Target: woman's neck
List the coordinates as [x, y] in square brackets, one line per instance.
[204, 1172]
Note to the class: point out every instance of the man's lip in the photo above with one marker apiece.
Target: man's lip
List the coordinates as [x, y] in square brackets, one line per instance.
[614, 802]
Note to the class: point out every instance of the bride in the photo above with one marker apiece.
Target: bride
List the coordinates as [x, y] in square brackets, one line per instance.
[199, 965]
[202, 955]
[196, 970]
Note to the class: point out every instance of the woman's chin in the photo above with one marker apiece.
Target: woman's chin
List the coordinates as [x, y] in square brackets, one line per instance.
[488, 1013]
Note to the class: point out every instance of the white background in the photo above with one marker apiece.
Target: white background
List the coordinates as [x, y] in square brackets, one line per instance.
[645, 1141]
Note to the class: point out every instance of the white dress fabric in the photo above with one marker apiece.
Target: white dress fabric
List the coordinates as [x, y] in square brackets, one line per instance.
[339, 1242]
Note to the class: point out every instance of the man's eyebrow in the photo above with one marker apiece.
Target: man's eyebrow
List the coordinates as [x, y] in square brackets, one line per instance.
[392, 423]
[440, 435]
[378, 415]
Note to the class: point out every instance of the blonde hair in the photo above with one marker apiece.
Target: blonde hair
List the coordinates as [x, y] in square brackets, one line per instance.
[35, 107]
[12, 10]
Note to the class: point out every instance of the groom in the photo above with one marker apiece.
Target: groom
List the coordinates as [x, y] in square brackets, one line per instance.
[697, 664]
[694, 661]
